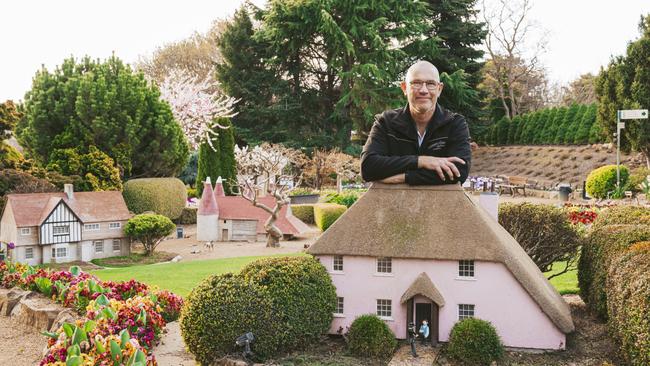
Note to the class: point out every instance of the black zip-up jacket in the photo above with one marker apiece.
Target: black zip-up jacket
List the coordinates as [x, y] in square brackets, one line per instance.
[392, 146]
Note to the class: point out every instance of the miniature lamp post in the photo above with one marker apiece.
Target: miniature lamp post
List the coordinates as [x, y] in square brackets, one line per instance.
[623, 115]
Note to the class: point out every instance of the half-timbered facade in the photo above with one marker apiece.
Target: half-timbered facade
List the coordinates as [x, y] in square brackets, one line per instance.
[64, 227]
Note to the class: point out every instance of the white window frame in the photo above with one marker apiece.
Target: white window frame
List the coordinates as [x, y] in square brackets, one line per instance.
[466, 270]
[92, 227]
[114, 225]
[335, 264]
[385, 309]
[55, 252]
[466, 311]
[340, 307]
[384, 266]
[119, 244]
[29, 250]
[65, 232]
[101, 245]
[25, 231]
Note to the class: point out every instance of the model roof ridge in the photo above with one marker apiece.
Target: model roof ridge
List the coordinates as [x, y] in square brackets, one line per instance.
[436, 222]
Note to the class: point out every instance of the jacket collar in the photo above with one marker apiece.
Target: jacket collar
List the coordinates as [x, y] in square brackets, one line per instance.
[406, 124]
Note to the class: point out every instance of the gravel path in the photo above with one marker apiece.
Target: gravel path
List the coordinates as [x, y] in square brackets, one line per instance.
[26, 344]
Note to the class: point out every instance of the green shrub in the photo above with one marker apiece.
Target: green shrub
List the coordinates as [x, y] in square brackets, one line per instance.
[302, 191]
[220, 309]
[602, 246]
[188, 216]
[474, 342]
[304, 212]
[543, 231]
[302, 295]
[628, 293]
[347, 198]
[637, 176]
[603, 180]
[10, 158]
[192, 193]
[623, 215]
[149, 229]
[369, 336]
[164, 196]
[325, 214]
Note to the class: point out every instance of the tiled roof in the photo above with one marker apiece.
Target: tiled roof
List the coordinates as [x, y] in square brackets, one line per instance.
[237, 207]
[30, 209]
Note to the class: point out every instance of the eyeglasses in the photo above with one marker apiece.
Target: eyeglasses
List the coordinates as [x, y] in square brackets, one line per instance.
[431, 84]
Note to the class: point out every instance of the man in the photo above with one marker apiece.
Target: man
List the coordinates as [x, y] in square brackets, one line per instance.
[421, 143]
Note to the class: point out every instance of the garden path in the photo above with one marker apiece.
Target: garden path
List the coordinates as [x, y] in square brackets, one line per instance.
[403, 357]
[21, 345]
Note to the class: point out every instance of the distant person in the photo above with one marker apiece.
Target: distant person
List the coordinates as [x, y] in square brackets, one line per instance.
[424, 330]
[422, 143]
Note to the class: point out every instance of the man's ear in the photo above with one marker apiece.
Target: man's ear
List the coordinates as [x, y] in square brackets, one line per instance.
[442, 86]
[403, 86]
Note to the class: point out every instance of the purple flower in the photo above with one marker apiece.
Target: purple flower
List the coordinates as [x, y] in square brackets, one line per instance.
[11, 245]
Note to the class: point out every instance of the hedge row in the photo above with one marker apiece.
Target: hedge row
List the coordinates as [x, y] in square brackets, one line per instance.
[164, 196]
[304, 212]
[325, 214]
[188, 216]
[287, 303]
[623, 215]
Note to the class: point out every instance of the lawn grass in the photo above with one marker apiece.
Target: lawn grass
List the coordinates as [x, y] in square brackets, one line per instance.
[134, 259]
[566, 283]
[178, 277]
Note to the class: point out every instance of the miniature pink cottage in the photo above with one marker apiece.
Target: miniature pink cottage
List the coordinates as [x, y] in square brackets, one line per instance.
[429, 252]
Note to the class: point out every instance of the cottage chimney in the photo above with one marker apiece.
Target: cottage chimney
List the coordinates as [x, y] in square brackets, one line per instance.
[69, 190]
[218, 188]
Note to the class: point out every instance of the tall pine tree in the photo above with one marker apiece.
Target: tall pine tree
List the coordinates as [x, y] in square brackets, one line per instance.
[209, 164]
[228, 164]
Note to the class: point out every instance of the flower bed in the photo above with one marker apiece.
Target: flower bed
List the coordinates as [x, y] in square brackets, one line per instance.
[123, 320]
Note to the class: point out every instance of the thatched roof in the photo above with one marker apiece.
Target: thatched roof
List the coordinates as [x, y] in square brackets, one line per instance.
[436, 222]
[423, 286]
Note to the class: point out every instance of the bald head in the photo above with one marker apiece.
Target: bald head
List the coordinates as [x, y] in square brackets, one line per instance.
[422, 67]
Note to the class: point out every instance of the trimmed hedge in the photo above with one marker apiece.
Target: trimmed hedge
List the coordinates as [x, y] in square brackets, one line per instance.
[220, 309]
[369, 336]
[304, 212]
[603, 180]
[474, 342]
[188, 216]
[347, 198]
[623, 215]
[628, 291]
[164, 196]
[325, 214]
[543, 231]
[302, 293]
[602, 246]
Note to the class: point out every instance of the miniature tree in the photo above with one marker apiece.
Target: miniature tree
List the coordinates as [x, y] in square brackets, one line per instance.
[149, 229]
[265, 169]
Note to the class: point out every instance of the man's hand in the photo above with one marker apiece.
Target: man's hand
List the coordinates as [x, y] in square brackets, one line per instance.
[442, 166]
[395, 179]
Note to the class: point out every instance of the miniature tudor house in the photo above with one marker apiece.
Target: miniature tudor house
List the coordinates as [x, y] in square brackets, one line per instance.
[233, 218]
[409, 253]
[65, 226]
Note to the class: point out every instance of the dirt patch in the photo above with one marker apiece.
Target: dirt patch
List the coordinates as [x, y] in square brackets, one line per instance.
[135, 259]
[85, 266]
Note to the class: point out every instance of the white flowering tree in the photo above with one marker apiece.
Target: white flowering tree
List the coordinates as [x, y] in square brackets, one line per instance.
[195, 108]
[266, 169]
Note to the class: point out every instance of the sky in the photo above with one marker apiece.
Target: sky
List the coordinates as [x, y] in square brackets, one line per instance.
[582, 34]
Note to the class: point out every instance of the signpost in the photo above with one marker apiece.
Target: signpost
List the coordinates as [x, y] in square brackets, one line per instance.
[622, 115]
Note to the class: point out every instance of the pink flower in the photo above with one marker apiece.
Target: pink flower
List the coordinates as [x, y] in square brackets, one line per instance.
[11, 245]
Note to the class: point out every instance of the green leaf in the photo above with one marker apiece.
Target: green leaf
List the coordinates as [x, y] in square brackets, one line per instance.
[124, 338]
[102, 300]
[74, 350]
[69, 328]
[74, 361]
[75, 270]
[89, 326]
[116, 351]
[79, 336]
[50, 334]
[99, 345]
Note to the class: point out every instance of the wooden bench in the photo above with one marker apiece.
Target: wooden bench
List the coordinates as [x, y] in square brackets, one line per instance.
[514, 184]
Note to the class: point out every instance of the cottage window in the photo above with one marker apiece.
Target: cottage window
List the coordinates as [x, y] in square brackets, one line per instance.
[384, 308]
[61, 230]
[384, 265]
[338, 263]
[114, 225]
[465, 311]
[339, 306]
[99, 246]
[91, 227]
[25, 231]
[466, 268]
[117, 245]
[29, 253]
[60, 252]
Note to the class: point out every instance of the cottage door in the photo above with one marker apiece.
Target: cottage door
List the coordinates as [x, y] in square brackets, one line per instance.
[428, 312]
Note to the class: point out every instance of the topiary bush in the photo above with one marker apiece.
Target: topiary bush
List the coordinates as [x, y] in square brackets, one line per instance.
[603, 180]
[369, 336]
[304, 212]
[623, 215]
[602, 246]
[220, 309]
[325, 214]
[302, 295]
[628, 305]
[164, 196]
[188, 216]
[474, 342]
[543, 231]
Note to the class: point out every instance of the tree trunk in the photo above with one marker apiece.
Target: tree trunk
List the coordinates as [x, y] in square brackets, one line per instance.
[339, 184]
[273, 234]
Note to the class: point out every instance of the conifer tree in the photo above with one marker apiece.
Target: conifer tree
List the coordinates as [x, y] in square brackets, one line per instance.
[209, 164]
[512, 130]
[587, 121]
[228, 170]
[563, 125]
[521, 127]
[571, 131]
[502, 131]
[546, 120]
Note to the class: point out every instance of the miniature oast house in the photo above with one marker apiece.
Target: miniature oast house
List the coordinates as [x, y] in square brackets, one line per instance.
[428, 252]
